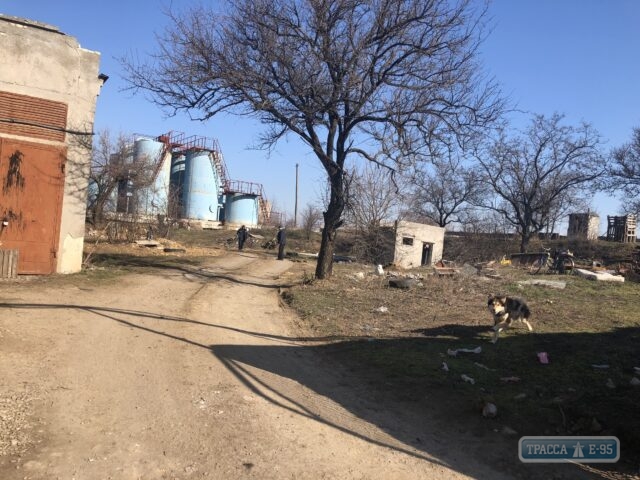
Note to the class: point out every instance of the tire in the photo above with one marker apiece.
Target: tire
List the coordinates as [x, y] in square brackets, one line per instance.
[566, 266]
[537, 265]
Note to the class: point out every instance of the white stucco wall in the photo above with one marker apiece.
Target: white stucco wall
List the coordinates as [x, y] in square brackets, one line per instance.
[39, 61]
[410, 256]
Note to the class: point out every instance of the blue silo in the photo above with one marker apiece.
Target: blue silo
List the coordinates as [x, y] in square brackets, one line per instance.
[153, 199]
[176, 183]
[201, 186]
[241, 209]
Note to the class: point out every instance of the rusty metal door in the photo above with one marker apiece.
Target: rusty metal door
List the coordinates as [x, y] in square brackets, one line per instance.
[31, 191]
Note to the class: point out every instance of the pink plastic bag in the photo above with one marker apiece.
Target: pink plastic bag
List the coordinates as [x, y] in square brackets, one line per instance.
[543, 357]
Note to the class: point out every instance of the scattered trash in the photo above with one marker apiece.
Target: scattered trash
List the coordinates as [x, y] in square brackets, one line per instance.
[610, 384]
[379, 270]
[545, 283]
[508, 431]
[484, 367]
[635, 382]
[445, 367]
[454, 353]
[543, 357]
[382, 309]
[601, 367]
[359, 275]
[510, 379]
[467, 379]
[520, 396]
[636, 369]
[489, 410]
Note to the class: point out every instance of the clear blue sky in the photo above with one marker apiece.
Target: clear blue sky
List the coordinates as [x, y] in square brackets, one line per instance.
[578, 57]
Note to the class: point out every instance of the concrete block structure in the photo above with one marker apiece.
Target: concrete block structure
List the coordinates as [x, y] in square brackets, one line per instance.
[48, 90]
[417, 244]
[584, 226]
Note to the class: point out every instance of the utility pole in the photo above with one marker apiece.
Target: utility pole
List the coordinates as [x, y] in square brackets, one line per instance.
[295, 211]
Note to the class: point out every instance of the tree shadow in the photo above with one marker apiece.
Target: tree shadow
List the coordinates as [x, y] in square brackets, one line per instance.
[393, 393]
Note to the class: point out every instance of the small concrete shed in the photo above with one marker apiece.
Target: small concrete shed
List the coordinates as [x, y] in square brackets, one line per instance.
[417, 244]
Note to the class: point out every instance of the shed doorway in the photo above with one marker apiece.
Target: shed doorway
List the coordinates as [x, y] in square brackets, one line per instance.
[427, 253]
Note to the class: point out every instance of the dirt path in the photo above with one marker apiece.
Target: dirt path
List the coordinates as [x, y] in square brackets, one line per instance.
[174, 375]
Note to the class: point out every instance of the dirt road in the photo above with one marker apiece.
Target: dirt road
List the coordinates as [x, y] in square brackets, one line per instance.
[176, 375]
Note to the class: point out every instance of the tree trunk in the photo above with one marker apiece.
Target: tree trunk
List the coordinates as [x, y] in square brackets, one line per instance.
[332, 222]
[524, 241]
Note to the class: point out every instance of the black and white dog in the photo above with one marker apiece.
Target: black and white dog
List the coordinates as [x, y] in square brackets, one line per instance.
[506, 310]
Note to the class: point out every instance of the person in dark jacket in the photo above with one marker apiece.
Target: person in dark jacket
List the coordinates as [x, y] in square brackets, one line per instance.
[242, 234]
[281, 239]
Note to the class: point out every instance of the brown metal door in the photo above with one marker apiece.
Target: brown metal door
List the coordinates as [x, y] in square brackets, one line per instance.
[31, 190]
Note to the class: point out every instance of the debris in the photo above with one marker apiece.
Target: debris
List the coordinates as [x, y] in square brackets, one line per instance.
[484, 367]
[467, 379]
[599, 276]
[600, 367]
[635, 382]
[381, 309]
[545, 283]
[379, 270]
[489, 410]
[510, 379]
[404, 283]
[359, 275]
[636, 369]
[454, 353]
[520, 396]
[543, 357]
[610, 384]
[445, 367]
[508, 431]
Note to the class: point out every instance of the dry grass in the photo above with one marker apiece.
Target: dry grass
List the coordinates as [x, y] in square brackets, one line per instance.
[585, 324]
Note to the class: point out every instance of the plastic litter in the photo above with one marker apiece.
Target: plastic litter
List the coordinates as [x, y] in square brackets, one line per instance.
[489, 410]
[454, 353]
[468, 379]
[543, 357]
[445, 367]
[510, 379]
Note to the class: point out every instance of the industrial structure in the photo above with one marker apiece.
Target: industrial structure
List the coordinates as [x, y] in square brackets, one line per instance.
[48, 91]
[412, 244]
[188, 181]
[621, 229]
[584, 226]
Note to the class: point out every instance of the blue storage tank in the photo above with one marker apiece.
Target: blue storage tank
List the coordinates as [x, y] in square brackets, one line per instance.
[153, 199]
[242, 209]
[176, 182]
[201, 186]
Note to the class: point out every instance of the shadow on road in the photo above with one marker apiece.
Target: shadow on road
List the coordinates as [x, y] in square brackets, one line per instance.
[424, 426]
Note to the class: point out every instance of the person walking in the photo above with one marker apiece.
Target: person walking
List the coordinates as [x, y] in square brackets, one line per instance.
[242, 236]
[281, 239]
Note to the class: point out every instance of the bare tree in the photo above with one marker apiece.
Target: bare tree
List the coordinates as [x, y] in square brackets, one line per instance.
[108, 167]
[311, 218]
[116, 178]
[534, 173]
[373, 198]
[623, 175]
[444, 190]
[341, 75]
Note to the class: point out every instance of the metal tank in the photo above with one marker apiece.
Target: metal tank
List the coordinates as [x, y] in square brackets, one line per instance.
[176, 182]
[242, 209]
[201, 186]
[153, 199]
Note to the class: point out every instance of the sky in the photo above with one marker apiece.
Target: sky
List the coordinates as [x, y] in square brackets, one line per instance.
[575, 57]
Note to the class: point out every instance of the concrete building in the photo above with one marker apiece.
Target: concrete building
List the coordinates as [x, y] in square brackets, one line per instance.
[584, 225]
[417, 244]
[48, 90]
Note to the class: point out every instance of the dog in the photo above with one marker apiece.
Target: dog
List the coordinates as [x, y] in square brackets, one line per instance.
[506, 310]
